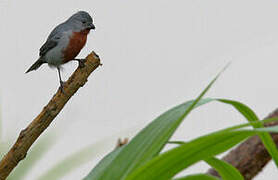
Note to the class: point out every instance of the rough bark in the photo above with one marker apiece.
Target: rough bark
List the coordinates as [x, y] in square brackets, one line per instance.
[29, 135]
[250, 157]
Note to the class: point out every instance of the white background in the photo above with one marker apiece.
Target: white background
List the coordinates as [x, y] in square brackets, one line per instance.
[155, 54]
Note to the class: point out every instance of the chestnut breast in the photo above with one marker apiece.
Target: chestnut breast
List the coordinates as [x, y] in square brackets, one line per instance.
[76, 43]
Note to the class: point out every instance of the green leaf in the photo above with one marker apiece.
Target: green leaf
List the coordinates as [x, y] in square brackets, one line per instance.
[150, 141]
[225, 170]
[145, 145]
[273, 129]
[243, 109]
[252, 117]
[241, 126]
[168, 164]
[197, 177]
[250, 124]
[104, 163]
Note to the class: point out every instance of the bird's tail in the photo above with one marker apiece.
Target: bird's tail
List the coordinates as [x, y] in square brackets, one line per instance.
[36, 65]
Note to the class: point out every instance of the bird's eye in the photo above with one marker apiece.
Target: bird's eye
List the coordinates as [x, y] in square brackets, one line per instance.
[83, 22]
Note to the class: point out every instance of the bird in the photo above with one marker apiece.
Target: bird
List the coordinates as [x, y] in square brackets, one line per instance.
[65, 42]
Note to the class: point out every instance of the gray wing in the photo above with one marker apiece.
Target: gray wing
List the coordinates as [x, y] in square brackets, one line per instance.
[53, 38]
[49, 44]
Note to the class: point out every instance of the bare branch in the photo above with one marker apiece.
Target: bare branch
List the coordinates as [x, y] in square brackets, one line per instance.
[29, 135]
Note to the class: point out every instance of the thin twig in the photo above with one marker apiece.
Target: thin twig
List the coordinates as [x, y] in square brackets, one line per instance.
[250, 157]
[29, 135]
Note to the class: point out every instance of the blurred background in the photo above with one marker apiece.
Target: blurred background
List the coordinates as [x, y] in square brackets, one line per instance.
[155, 54]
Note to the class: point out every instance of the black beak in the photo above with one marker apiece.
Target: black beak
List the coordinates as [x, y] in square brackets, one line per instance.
[91, 26]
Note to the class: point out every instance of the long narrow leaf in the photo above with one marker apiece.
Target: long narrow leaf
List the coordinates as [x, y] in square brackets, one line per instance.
[250, 124]
[104, 163]
[168, 164]
[150, 141]
[252, 117]
[197, 177]
[225, 170]
[240, 126]
[145, 145]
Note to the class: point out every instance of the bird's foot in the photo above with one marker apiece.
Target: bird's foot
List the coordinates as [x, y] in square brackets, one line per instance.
[81, 62]
[62, 87]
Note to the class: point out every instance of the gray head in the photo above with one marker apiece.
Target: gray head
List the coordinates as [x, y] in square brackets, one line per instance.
[82, 21]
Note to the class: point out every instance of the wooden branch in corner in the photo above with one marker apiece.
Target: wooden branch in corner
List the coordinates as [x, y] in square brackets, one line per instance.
[250, 157]
[29, 135]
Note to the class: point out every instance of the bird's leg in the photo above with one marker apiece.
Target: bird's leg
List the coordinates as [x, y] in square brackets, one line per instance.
[60, 79]
[80, 62]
